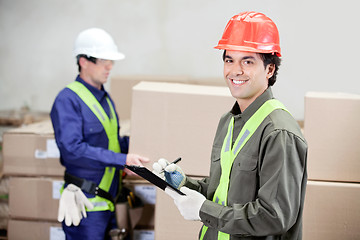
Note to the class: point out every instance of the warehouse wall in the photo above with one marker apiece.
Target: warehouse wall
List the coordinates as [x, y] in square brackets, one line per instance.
[172, 37]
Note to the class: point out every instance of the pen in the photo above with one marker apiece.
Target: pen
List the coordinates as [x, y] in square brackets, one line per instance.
[174, 162]
[177, 160]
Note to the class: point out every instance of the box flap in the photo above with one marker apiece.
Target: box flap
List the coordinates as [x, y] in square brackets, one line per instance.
[181, 88]
[41, 128]
[332, 95]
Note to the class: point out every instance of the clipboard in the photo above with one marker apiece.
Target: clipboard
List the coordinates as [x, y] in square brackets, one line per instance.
[152, 178]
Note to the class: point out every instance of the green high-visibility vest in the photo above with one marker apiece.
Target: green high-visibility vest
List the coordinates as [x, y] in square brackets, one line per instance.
[111, 126]
[229, 153]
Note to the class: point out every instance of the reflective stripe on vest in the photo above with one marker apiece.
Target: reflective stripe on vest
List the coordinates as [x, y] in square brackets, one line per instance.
[229, 153]
[111, 127]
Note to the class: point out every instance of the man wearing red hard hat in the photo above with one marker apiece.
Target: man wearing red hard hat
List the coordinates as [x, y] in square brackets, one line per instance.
[258, 175]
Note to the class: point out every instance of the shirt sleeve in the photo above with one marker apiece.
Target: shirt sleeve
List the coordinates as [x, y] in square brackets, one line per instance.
[124, 144]
[200, 186]
[67, 119]
[276, 208]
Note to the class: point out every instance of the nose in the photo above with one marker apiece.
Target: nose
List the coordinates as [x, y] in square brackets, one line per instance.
[236, 70]
[108, 64]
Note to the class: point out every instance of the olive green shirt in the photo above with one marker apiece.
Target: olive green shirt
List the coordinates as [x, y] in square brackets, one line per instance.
[267, 181]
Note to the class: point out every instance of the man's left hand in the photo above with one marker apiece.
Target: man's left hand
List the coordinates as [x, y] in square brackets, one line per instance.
[189, 205]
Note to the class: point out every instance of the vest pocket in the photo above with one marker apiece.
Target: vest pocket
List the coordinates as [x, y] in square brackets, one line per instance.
[215, 154]
[243, 183]
[247, 163]
[93, 128]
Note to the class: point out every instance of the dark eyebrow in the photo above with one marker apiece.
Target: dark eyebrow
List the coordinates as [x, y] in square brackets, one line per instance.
[244, 58]
[248, 57]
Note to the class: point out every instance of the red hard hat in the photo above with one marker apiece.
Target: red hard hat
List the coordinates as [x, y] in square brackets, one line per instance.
[251, 32]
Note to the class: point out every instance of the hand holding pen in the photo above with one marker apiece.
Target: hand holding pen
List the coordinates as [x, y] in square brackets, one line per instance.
[174, 175]
[174, 162]
[171, 172]
[161, 165]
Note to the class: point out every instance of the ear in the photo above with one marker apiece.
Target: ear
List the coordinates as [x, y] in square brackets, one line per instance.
[83, 63]
[270, 70]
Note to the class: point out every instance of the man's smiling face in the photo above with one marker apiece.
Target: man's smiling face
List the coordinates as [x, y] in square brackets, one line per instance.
[246, 76]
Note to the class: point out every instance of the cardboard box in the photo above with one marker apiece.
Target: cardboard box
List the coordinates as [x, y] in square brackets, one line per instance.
[17, 117]
[169, 223]
[143, 234]
[177, 120]
[31, 151]
[131, 219]
[332, 131]
[39, 230]
[138, 217]
[34, 230]
[34, 198]
[121, 88]
[331, 211]
[4, 214]
[142, 189]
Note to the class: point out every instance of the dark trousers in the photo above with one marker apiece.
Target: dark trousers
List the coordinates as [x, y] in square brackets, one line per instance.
[95, 227]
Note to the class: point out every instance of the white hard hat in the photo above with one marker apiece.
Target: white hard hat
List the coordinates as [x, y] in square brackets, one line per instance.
[95, 42]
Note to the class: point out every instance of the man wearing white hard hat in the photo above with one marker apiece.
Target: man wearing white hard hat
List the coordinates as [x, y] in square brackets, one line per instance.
[86, 128]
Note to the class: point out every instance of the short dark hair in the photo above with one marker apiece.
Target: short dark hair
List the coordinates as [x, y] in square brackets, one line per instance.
[89, 58]
[268, 58]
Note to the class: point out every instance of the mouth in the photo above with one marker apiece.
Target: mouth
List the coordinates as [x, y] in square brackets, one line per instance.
[238, 82]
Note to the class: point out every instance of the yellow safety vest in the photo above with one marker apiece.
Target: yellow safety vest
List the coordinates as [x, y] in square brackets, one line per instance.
[229, 153]
[111, 126]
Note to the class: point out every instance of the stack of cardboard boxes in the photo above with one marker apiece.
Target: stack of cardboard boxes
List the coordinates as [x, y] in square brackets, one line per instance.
[332, 130]
[31, 161]
[4, 203]
[121, 88]
[172, 120]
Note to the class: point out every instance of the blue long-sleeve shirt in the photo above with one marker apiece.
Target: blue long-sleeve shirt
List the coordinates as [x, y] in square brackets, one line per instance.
[81, 138]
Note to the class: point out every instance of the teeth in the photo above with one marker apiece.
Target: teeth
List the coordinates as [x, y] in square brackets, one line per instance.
[238, 81]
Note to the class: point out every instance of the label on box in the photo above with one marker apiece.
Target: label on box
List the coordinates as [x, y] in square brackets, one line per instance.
[147, 193]
[56, 187]
[56, 233]
[144, 235]
[52, 151]
[40, 154]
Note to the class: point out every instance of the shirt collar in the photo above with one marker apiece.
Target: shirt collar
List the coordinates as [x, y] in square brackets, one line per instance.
[253, 107]
[99, 94]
